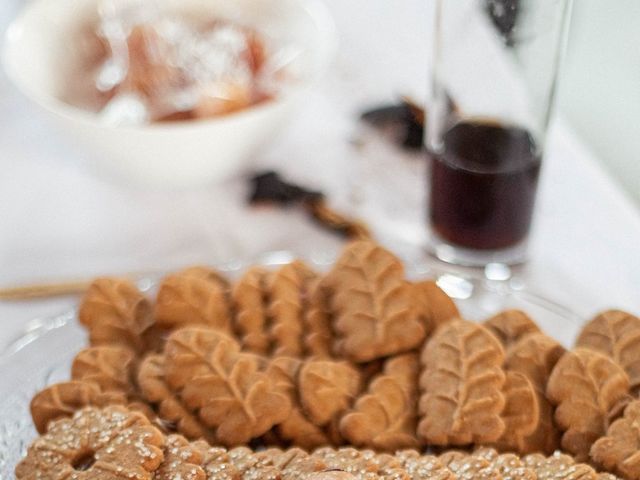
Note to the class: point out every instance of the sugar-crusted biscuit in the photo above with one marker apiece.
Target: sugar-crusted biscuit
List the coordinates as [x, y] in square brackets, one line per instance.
[181, 461]
[106, 444]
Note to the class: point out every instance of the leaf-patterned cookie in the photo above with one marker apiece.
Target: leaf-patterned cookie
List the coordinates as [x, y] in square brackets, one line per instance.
[318, 337]
[511, 325]
[461, 386]
[434, 306]
[384, 418]
[195, 296]
[230, 391]
[62, 400]
[535, 355]
[194, 351]
[116, 313]
[619, 450]
[372, 304]
[586, 387]
[170, 408]
[107, 366]
[296, 428]
[248, 296]
[616, 334]
[327, 388]
[286, 287]
[521, 414]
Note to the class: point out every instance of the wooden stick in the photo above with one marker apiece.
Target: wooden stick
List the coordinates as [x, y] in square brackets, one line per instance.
[45, 290]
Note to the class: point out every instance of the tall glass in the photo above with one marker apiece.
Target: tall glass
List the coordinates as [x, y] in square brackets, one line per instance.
[493, 82]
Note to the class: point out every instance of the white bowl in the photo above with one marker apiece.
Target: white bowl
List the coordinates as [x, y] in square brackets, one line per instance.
[39, 48]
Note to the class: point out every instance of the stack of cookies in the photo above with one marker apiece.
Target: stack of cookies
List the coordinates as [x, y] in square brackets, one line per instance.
[359, 356]
[114, 443]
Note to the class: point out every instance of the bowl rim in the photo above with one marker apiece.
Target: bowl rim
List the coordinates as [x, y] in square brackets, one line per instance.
[315, 9]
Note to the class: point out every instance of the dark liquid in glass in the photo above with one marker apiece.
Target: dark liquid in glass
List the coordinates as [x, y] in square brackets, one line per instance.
[483, 185]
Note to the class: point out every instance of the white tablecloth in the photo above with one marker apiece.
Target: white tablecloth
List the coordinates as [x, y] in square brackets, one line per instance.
[58, 221]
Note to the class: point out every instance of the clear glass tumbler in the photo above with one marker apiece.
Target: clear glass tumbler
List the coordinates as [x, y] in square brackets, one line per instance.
[493, 81]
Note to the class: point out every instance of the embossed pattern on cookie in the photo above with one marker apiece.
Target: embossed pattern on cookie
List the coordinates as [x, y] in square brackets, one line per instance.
[318, 337]
[170, 408]
[586, 387]
[248, 296]
[384, 417]
[236, 398]
[107, 366]
[372, 304]
[521, 414]
[286, 288]
[194, 351]
[63, 400]
[616, 334]
[434, 306]
[619, 450]
[327, 388]
[461, 386]
[296, 428]
[195, 296]
[116, 313]
[511, 325]
[535, 355]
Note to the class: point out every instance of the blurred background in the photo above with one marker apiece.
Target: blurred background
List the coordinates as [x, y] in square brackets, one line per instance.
[600, 86]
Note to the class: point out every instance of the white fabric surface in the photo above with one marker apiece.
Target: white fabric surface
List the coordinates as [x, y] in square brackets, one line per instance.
[58, 221]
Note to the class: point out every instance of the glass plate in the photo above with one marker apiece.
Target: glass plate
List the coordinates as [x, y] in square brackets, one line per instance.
[44, 353]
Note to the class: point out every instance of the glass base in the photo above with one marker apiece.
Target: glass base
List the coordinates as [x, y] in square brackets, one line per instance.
[468, 257]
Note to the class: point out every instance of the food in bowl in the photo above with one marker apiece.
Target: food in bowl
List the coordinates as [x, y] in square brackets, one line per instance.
[37, 58]
[140, 65]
